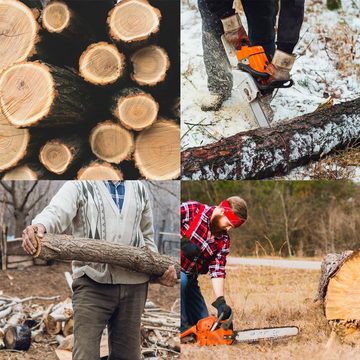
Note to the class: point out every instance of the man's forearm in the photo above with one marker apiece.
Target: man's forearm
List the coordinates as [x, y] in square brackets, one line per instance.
[218, 286]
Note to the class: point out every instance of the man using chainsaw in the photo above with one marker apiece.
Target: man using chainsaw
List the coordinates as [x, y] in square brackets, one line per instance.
[204, 246]
[219, 17]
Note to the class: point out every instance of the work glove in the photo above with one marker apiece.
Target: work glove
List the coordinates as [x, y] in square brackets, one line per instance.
[234, 32]
[280, 66]
[222, 307]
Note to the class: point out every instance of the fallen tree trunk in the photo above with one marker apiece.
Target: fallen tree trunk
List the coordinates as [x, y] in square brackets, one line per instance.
[262, 153]
[65, 247]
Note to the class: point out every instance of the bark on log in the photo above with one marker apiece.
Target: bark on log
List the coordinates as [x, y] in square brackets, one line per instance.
[111, 142]
[99, 171]
[65, 247]
[40, 94]
[102, 64]
[135, 109]
[17, 337]
[157, 151]
[262, 153]
[18, 33]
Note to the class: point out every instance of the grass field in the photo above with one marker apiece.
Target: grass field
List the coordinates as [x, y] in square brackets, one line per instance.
[264, 296]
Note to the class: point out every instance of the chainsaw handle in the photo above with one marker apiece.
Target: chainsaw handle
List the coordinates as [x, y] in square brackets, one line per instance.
[187, 332]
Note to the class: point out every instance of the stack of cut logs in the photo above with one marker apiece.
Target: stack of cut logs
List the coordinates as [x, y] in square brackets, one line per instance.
[21, 324]
[89, 89]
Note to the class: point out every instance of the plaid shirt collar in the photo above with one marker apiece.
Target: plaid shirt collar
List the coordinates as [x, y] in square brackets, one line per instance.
[117, 192]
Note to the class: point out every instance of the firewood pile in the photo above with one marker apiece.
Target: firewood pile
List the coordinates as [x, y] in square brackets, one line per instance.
[89, 89]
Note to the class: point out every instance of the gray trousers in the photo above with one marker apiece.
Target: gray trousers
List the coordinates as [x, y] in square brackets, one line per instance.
[117, 306]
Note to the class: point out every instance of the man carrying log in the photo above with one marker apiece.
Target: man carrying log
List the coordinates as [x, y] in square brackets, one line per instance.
[103, 294]
[205, 244]
[219, 17]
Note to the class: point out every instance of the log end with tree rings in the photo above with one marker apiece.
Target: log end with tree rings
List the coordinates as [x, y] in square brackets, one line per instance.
[150, 65]
[18, 33]
[136, 110]
[133, 20]
[56, 156]
[56, 17]
[99, 171]
[17, 337]
[111, 142]
[157, 151]
[27, 93]
[13, 144]
[23, 172]
[102, 64]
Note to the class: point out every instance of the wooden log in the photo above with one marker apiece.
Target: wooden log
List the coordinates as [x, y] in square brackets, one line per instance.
[133, 22]
[38, 4]
[68, 327]
[20, 264]
[17, 337]
[102, 64]
[18, 33]
[52, 327]
[135, 109]
[29, 171]
[111, 142]
[58, 155]
[157, 151]
[99, 171]
[18, 258]
[150, 65]
[263, 153]
[40, 94]
[66, 247]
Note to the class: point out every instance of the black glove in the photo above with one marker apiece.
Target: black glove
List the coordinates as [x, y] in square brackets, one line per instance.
[222, 307]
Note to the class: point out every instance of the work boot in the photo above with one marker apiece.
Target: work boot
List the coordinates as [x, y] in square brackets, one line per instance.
[213, 102]
[280, 66]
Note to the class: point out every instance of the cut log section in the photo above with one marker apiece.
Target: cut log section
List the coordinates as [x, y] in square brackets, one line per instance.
[150, 65]
[157, 151]
[136, 109]
[58, 155]
[17, 337]
[18, 33]
[25, 172]
[99, 171]
[67, 247]
[111, 142]
[68, 327]
[263, 153]
[102, 64]
[131, 21]
[56, 17]
[37, 94]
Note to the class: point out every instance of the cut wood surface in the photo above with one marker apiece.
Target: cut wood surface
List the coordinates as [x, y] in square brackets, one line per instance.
[111, 142]
[136, 109]
[25, 172]
[262, 153]
[133, 20]
[150, 65]
[56, 17]
[66, 247]
[34, 93]
[18, 33]
[157, 151]
[99, 171]
[102, 64]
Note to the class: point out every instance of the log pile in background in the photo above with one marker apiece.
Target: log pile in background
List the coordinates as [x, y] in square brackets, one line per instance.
[339, 291]
[89, 89]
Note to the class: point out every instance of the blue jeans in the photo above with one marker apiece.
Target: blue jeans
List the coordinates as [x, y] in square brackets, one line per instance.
[193, 307]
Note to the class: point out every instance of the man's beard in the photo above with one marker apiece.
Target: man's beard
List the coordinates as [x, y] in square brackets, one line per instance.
[214, 226]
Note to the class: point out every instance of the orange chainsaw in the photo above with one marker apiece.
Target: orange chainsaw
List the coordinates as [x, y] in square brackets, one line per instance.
[215, 331]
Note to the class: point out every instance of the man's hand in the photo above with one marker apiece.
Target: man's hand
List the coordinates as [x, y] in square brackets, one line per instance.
[169, 277]
[29, 234]
[222, 307]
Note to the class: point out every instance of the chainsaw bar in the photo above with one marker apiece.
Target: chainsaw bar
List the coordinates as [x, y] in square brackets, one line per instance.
[273, 333]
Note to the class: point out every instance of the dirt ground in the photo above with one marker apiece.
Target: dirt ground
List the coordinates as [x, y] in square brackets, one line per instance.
[264, 296]
[50, 281]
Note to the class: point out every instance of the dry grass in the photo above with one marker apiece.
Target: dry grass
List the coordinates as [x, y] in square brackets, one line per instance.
[264, 296]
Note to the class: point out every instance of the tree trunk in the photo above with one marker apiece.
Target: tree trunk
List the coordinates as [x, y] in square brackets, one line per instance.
[65, 247]
[135, 109]
[99, 171]
[17, 337]
[157, 151]
[43, 95]
[262, 153]
[111, 142]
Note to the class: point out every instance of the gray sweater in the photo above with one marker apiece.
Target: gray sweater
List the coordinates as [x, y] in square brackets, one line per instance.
[86, 209]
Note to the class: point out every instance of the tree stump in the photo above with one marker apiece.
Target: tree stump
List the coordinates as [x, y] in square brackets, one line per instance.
[18, 33]
[135, 109]
[133, 21]
[102, 64]
[150, 65]
[111, 142]
[339, 291]
[99, 171]
[157, 151]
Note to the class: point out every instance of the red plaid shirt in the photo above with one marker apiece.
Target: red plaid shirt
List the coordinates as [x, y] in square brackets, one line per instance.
[214, 250]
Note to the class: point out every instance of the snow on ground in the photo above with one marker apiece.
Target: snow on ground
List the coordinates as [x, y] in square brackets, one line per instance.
[328, 64]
